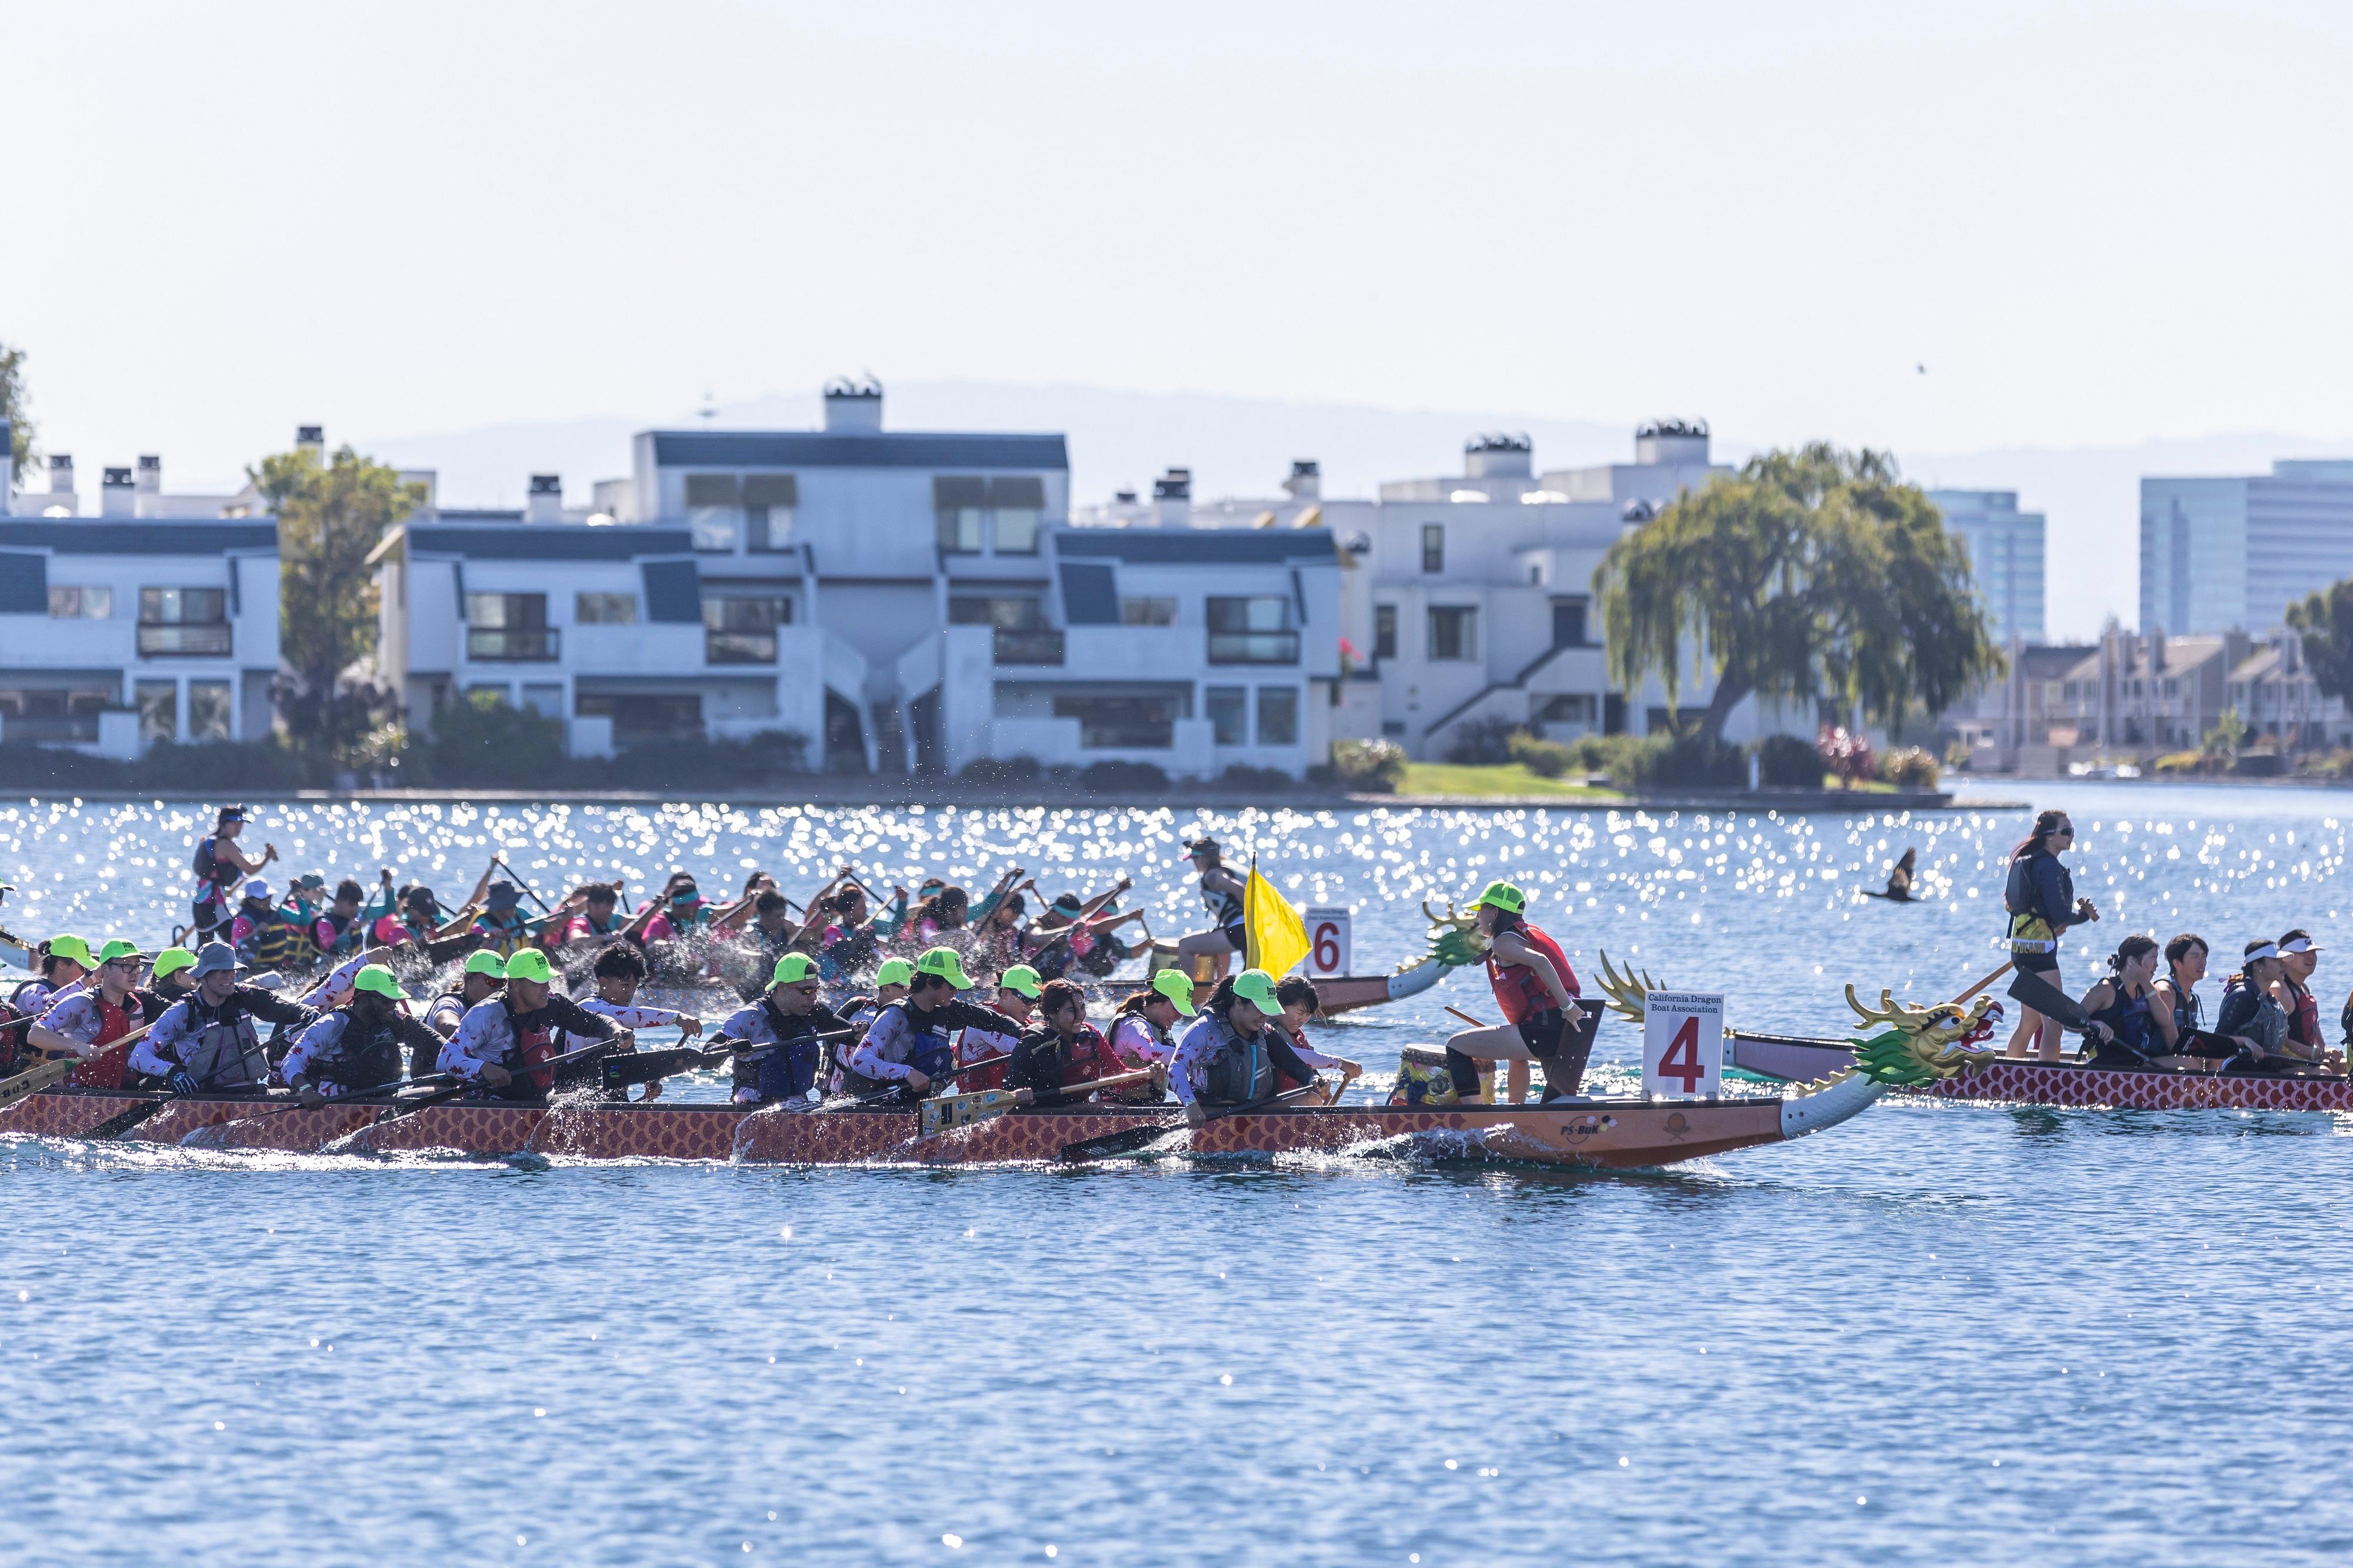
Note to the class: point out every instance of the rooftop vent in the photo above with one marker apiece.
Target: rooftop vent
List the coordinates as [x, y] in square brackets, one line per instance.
[311, 438]
[1671, 441]
[853, 406]
[1498, 454]
[61, 481]
[1172, 499]
[545, 501]
[1638, 510]
[1306, 480]
[116, 493]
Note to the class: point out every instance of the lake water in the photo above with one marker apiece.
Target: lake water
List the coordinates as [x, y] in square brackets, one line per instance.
[1940, 1333]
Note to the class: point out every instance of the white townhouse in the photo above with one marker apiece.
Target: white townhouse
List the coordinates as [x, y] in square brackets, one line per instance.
[135, 625]
[1469, 597]
[905, 600]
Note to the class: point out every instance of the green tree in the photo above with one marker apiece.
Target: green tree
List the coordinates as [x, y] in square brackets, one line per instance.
[2325, 619]
[1809, 574]
[330, 517]
[12, 409]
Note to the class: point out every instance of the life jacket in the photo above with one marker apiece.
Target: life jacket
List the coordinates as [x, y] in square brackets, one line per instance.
[2127, 1017]
[277, 944]
[226, 1052]
[104, 1068]
[365, 1057]
[2188, 1013]
[791, 1068]
[215, 876]
[345, 925]
[1224, 908]
[532, 1043]
[1079, 1062]
[978, 1044]
[1517, 989]
[502, 938]
[13, 1049]
[2303, 1018]
[2033, 930]
[932, 1052]
[1241, 1072]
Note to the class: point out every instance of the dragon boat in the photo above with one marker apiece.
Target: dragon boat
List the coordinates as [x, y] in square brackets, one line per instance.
[1603, 1133]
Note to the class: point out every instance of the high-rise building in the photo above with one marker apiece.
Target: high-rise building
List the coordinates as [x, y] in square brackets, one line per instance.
[2006, 550]
[2230, 554]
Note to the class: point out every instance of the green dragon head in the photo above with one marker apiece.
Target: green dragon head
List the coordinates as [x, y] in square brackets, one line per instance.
[1455, 941]
[1919, 1044]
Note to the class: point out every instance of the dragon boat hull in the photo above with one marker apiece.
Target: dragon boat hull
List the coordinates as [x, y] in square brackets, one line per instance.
[1994, 1079]
[1622, 1134]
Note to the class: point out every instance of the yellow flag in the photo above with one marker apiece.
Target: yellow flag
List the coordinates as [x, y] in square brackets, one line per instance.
[1278, 937]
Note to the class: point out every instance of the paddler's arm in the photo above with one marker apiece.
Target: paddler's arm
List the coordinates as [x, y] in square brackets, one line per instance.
[50, 1037]
[296, 1068]
[1511, 947]
[575, 1019]
[2052, 893]
[1278, 1045]
[158, 1052]
[871, 1060]
[471, 1052]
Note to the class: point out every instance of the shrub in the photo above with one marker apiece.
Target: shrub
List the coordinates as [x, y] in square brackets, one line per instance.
[2330, 765]
[481, 740]
[1847, 753]
[1110, 776]
[1242, 776]
[1958, 755]
[1910, 767]
[1483, 742]
[999, 770]
[1790, 762]
[1370, 767]
[755, 759]
[1546, 758]
[2182, 763]
[1663, 762]
[230, 767]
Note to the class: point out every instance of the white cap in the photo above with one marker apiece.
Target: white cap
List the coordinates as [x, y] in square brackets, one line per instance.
[257, 889]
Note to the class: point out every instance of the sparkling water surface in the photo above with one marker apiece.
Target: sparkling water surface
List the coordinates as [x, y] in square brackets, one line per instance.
[1939, 1334]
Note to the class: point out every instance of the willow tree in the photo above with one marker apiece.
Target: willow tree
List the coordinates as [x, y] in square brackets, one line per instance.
[12, 409]
[330, 516]
[1809, 574]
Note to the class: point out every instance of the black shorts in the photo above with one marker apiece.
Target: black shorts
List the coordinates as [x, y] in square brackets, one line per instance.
[1543, 1032]
[1239, 937]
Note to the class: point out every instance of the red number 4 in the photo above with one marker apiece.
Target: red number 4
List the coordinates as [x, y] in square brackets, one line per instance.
[1681, 1059]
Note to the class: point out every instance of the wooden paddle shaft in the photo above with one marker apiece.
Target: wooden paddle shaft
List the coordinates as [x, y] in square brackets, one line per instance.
[1466, 1017]
[1983, 984]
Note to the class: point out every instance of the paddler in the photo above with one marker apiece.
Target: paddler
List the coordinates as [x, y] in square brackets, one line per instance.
[1053, 1066]
[221, 867]
[909, 1045]
[1536, 990]
[485, 975]
[1229, 1057]
[2251, 1016]
[207, 1041]
[340, 928]
[84, 1022]
[1223, 892]
[620, 970]
[1142, 1033]
[505, 1038]
[891, 982]
[267, 939]
[1300, 1005]
[1017, 990]
[2298, 959]
[2040, 902]
[599, 905]
[358, 1046]
[65, 964]
[786, 1021]
[169, 979]
[500, 927]
[410, 921]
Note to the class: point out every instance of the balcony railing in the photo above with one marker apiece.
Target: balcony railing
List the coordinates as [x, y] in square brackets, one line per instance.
[739, 647]
[178, 640]
[1253, 647]
[511, 645]
[1039, 645]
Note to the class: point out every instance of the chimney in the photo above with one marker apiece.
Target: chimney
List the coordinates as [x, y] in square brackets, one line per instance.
[1671, 442]
[1172, 499]
[61, 483]
[1498, 456]
[1306, 480]
[115, 494]
[546, 503]
[311, 438]
[147, 491]
[853, 406]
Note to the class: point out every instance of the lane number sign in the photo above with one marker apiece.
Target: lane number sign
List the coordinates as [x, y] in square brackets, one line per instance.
[1327, 940]
[1682, 1043]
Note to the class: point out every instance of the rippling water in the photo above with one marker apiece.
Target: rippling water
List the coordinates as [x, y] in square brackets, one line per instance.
[1940, 1333]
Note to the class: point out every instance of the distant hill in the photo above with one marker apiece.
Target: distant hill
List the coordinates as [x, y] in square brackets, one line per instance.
[1244, 446]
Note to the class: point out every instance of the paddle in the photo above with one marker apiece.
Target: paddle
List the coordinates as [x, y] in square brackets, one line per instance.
[897, 1091]
[410, 1107]
[947, 1111]
[32, 1080]
[1137, 1138]
[500, 861]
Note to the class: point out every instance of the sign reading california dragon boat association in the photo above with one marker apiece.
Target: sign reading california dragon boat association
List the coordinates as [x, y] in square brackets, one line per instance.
[1682, 1043]
[1327, 939]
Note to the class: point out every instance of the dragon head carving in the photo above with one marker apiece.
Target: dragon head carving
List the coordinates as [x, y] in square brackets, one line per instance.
[1455, 941]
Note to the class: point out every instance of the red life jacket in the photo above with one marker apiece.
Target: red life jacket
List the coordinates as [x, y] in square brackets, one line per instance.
[1284, 1082]
[104, 1068]
[2303, 1023]
[534, 1043]
[1519, 992]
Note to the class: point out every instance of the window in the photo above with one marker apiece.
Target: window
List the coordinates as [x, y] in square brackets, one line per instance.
[1228, 713]
[605, 609]
[1568, 623]
[509, 626]
[189, 623]
[1278, 715]
[1453, 632]
[1150, 611]
[1126, 724]
[963, 507]
[159, 710]
[1016, 504]
[768, 503]
[742, 628]
[80, 603]
[1576, 708]
[1252, 631]
[714, 507]
[208, 711]
[1385, 631]
[1393, 728]
[1433, 547]
[1005, 612]
[57, 715]
[644, 718]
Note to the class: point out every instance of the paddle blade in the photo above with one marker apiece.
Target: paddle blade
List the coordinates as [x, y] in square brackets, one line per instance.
[122, 1121]
[1122, 1142]
[2032, 990]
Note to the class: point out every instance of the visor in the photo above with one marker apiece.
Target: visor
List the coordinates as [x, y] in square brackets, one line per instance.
[2269, 950]
[2301, 945]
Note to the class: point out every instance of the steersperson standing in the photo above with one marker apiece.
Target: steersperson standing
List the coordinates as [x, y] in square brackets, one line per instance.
[221, 867]
[1223, 892]
[2041, 902]
[1537, 991]
[1230, 1056]
[912, 1042]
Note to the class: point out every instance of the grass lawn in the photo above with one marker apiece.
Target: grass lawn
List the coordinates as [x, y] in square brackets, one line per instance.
[1509, 781]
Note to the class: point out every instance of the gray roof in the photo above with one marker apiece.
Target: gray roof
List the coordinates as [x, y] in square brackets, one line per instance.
[144, 536]
[477, 514]
[548, 541]
[1183, 546]
[818, 449]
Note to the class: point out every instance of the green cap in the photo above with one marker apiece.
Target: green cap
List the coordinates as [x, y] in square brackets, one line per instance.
[1024, 981]
[529, 963]
[118, 947]
[793, 969]
[944, 962]
[72, 947]
[1174, 984]
[895, 972]
[1504, 897]
[1256, 986]
[310, 879]
[375, 977]
[485, 961]
[172, 960]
